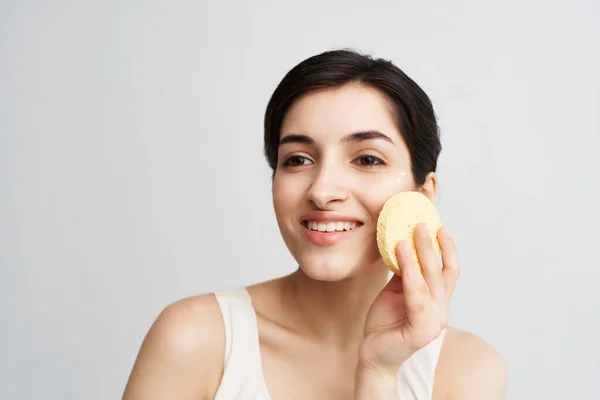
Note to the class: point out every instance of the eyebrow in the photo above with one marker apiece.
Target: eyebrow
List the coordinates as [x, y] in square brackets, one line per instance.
[350, 138]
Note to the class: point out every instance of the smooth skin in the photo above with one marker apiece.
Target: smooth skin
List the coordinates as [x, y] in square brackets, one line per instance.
[336, 328]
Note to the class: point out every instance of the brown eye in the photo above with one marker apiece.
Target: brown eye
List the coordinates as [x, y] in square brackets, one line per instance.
[368, 161]
[296, 161]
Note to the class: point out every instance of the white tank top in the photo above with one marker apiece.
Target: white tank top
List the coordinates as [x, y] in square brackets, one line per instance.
[243, 375]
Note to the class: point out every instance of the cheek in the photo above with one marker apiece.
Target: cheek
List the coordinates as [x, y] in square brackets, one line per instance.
[392, 182]
[376, 191]
[286, 193]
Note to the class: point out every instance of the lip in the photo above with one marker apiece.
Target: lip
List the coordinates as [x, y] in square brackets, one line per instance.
[319, 238]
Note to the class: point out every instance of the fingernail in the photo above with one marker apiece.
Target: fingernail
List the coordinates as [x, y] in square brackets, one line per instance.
[404, 247]
[447, 233]
[423, 231]
[443, 231]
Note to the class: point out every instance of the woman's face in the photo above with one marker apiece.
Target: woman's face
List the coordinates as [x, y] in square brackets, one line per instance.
[340, 158]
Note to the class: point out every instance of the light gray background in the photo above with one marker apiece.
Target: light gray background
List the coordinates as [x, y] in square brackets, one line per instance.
[132, 174]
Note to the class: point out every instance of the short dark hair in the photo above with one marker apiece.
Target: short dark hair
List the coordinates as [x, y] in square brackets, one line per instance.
[412, 107]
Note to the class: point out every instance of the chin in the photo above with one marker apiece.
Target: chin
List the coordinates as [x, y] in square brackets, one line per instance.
[337, 266]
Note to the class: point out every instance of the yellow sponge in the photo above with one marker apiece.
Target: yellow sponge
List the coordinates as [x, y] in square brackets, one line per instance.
[397, 221]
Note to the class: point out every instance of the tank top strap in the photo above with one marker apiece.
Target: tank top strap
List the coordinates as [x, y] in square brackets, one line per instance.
[416, 376]
[242, 375]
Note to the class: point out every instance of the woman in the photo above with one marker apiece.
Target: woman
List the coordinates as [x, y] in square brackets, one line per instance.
[343, 133]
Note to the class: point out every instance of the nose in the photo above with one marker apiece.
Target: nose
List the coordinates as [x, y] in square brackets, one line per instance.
[327, 188]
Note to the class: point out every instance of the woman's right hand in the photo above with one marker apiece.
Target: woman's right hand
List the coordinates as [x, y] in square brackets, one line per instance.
[412, 310]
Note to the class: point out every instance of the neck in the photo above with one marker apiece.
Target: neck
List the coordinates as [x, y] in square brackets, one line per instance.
[333, 311]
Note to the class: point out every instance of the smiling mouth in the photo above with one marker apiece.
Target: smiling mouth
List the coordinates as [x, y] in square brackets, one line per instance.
[327, 227]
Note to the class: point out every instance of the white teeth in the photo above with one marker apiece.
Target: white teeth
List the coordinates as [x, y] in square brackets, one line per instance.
[339, 226]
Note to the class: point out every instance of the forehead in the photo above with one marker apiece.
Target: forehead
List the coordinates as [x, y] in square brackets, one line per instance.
[330, 114]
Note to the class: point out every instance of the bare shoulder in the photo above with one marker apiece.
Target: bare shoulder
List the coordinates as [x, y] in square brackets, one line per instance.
[181, 356]
[469, 368]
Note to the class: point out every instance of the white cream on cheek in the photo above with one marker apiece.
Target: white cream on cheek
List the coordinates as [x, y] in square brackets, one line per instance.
[391, 183]
[396, 181]
[374, 191]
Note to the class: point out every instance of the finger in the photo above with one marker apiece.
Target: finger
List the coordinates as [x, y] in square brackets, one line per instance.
[431, 268]
[416, 293]
[451, 269]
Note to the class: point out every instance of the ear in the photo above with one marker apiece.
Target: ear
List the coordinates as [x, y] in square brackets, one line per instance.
[430, 186]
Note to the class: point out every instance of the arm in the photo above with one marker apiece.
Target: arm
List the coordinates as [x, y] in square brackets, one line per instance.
[370, 384]
[182, 355]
